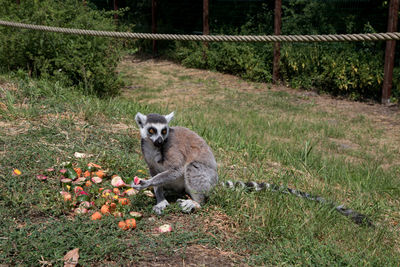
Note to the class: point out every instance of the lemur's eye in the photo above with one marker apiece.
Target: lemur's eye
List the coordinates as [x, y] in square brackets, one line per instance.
[164, 131]
[152, 131]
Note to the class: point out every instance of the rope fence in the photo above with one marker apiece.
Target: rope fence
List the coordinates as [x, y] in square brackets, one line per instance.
[214, 38]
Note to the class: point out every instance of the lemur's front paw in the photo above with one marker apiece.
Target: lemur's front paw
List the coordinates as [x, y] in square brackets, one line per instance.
[160, 207]
[188, 205]
[142, 185]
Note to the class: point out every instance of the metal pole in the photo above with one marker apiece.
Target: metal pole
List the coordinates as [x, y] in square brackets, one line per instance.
[154, 23]
[277, 46]
[390, 51]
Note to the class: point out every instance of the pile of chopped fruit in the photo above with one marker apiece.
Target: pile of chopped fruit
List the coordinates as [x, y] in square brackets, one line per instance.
[94, 191]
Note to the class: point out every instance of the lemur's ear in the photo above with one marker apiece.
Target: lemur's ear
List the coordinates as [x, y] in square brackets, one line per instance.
[140, 119]
[170, 116]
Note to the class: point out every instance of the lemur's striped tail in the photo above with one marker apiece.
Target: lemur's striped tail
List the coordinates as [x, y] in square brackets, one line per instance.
[355, 216]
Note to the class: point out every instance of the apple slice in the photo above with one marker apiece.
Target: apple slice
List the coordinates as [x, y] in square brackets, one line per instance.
[117, 182]
[96, 180]
[136, 215]
[79, 181]
[164, 228]
[80, 210]
[66, 180]
[130, 192]
[136, 180]
[67, 196]
[41, 177]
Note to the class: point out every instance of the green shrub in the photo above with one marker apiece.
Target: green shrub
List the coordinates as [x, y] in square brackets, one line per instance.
[240, 59]
[336, 68]
[88, 62]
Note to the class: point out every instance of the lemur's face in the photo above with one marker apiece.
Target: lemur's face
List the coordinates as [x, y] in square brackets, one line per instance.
[154, 127]
[157, 133]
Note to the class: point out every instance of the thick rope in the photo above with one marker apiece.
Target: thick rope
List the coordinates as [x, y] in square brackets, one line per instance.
[216, 38]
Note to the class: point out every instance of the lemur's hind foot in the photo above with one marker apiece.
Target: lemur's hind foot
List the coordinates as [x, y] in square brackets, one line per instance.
[159, 208]
[188, 205]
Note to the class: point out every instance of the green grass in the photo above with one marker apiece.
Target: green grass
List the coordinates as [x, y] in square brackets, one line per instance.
[258, 134]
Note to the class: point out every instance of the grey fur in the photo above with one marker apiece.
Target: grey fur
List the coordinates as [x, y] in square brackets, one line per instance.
[155, 118]
[179, 160]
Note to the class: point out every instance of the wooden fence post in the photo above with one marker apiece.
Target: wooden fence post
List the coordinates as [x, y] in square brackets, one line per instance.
[390, 51]
[206, 26]
[115, 9]
[277, 45]
[154, 23]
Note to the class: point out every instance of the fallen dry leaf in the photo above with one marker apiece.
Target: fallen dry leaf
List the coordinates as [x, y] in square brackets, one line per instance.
[71, 258]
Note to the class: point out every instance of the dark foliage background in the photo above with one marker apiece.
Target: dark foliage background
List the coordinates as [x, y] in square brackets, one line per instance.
[351, 69]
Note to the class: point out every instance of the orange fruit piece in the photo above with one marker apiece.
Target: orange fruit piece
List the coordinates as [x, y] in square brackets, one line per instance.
[113, 206]
[91, 164]
[118, 214]
[67, 197]
[116, 191]
[96, 216]
[17, 172]
[78, 189]
[131, 223]
[78, 171]
[100, 174]
[123, 225]
[105, 209]
[86, 174]
[124, 201]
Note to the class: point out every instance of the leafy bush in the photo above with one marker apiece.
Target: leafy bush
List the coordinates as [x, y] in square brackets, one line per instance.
[239, 59]
[88, 62]
[335, 68]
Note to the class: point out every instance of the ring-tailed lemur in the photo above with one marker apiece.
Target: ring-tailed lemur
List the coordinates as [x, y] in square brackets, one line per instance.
[180, 160]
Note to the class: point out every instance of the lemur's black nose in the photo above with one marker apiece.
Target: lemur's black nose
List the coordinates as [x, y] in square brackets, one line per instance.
[159, 142]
